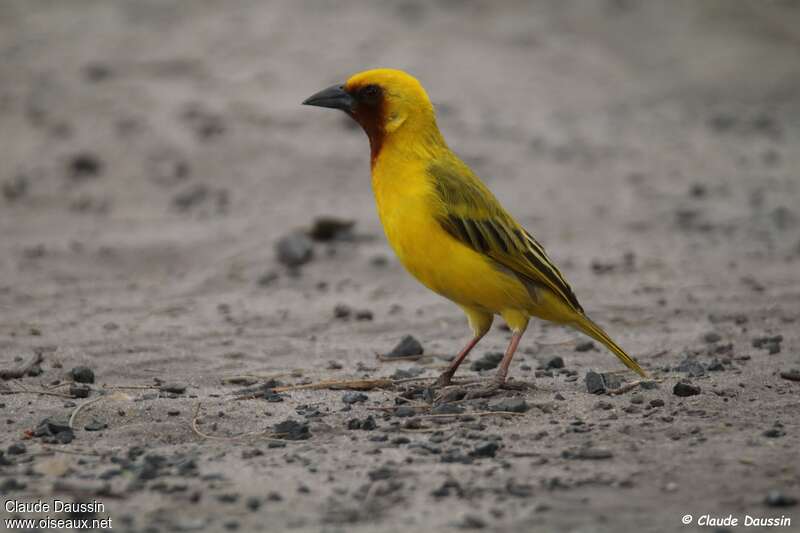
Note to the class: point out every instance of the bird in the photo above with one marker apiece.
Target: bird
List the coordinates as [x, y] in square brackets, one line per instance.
[447, 228]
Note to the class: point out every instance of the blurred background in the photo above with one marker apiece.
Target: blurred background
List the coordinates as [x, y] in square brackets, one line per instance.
[153, 152]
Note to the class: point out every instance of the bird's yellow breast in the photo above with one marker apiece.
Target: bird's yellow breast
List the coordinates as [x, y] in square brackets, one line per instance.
[408, 211]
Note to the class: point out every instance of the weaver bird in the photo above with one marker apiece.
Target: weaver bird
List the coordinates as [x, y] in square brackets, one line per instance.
[446, 227]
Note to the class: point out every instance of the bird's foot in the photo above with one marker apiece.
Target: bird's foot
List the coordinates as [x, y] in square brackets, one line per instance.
[445, 379]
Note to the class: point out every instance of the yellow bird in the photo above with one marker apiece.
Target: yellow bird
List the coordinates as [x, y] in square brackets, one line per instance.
[446, 227]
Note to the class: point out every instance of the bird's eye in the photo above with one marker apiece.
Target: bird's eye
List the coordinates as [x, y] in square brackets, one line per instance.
[370, 94]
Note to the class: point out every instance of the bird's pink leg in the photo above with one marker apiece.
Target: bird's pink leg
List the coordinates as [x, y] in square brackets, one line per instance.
[447, 375]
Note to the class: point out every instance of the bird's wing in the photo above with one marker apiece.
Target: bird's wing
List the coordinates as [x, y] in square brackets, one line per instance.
[470, 213]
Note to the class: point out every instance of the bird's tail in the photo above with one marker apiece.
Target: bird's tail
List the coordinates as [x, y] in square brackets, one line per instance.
[586, 325]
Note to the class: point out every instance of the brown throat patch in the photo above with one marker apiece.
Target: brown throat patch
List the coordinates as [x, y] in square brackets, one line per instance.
[370, 113]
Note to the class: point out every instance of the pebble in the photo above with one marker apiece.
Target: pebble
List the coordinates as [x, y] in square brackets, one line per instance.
[16, 449]
[84, 165]
[712, 336]
[488, 449]
[294, 249]
[791, 375]
[776, 498]
[589, 454]
[408, 346]
[174, 388]
[79, 391]
[447, 409]
[350, 398]
[471, 521]
[489, 361]
[657, 402]
[514, 405]
[54, 431]
[404, 411]
[684, 389]
[599, 383]
[774, 433]
[692, 367]
[585, 346]
[326, 229]
[292, 430]
[555, 362]
[95, 425]
[82, 374]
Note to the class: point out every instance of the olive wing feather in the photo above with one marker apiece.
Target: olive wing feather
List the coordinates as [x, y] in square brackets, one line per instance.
[470, 213]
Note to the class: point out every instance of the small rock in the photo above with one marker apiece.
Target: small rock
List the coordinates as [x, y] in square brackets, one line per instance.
[715, 366]
[267, 279]
[471, 521]
[657, 402]
[600, 383]
[684, 389]
[711, 337]
[16, 449]
[54, 431]
[407, 347]
[84, 166]
[82, 374]
[77, 390]
[174, 388]
[489, 361]
[95, 425]
[342, 311]
[404, 411]
[513, 405]
[488, 449]
[555, 362]
[447, 409]
[585, 346]
[776, 498]
[791, 375]
[774, 433]
[588, 454]
[350, 398]
[330, 228]
[292, 430]
[692, 367]
[364, 314]
[294, 249]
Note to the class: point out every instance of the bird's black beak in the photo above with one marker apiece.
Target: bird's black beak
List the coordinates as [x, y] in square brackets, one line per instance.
[334, 97]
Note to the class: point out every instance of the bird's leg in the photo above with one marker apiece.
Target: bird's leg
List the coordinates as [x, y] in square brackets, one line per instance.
[447, 375]
[499, 379]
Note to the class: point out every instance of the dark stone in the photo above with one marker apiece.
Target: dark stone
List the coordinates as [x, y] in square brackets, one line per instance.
[774, 433]
[84, 166]
[555, 362]
[174, 388]
[684, 389]
[408, 346]
[404, 411]
[488, 449]
[657, 402]
[79, 391]
[712, 336]
[447, 409]
[599, 383]
[692, 367]
[585, 346]
[715, 366]
[776, 498]
[16, 449]
[471, 521]
[294, 249]
[342, 311]
[350, 398]
[95, 425]
[327, 229]
[489, 361]
[791, 375]
[588, 454]
[54, 431]
[364, 314]
[513, 405]
[82, 374]
[292, 430]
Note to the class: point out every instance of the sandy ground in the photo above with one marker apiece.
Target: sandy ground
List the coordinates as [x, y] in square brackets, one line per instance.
[153, 152]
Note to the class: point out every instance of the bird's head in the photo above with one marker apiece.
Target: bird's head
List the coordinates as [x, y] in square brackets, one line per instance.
[383, 101]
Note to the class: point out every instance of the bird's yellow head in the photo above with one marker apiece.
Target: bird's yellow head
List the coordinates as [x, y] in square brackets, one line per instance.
[383, 101]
